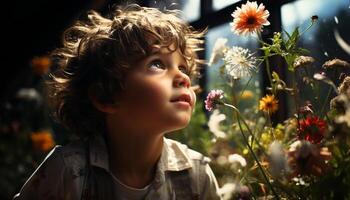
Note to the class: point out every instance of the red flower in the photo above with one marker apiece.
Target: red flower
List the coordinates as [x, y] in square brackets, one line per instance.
[305, 158]
[312, 129]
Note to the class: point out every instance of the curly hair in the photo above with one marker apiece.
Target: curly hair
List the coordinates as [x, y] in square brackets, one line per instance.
[97, 53]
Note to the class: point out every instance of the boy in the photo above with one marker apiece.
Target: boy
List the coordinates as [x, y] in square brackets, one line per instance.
[122, 83]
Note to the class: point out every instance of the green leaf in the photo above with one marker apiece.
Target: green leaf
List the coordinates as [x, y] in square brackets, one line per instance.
[303, 51]
[290, 60]
[293, 39]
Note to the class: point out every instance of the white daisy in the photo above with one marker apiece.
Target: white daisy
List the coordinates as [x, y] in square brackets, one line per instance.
[239, 62]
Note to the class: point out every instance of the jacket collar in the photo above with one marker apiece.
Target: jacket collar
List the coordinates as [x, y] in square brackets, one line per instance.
[173, 157]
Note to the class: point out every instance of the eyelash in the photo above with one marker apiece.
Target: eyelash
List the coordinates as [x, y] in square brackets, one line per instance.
[156, 62]
[160, 64]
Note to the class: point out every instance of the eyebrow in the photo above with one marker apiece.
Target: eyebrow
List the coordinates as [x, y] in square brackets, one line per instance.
[155, 50]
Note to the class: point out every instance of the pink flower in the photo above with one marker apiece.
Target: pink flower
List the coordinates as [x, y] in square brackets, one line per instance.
[213, 98]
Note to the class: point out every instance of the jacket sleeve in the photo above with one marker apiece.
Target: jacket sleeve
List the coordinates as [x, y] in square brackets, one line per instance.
[211, 187]
[47, 180]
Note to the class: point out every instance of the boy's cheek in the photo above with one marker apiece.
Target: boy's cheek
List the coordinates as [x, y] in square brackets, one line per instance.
[194, 97]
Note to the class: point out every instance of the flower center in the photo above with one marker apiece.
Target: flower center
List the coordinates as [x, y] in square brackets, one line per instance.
[269, 105]
[251, 20]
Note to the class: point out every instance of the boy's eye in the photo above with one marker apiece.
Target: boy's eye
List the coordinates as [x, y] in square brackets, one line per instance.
[184, 70]
[156, 64]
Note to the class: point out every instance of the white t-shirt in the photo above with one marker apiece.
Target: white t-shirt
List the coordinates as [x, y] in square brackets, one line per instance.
[125, 192]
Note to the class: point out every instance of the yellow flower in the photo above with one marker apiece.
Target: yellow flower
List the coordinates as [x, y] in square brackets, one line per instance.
[247, 94]
[42, 140]
[266, 139]
[271, 134]
[268, 104]
[249, 18]
[279, 132]
[245, 151]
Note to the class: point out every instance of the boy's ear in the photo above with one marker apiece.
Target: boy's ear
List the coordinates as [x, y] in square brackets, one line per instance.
[108, 108]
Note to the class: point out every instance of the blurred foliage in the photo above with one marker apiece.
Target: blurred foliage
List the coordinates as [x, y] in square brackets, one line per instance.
[25, 133]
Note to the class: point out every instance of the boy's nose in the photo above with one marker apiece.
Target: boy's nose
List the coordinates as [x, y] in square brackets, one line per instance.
[182, 80]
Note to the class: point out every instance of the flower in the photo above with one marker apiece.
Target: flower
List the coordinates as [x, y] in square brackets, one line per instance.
[307, 109]
[42, 140]
[243, 193]
[214, 124]
[213, 98]
[270, 134]
[268, 104]
[344, 118]
[344, 87]
[247, 94]
[249, 18]
[340, 103]
[307, 158]
[234, 191]
[236, 158]
[336, 63]
[239, 62]
[312, 129]
[320, 76]
[314, 18]
[303, 61]
[227, 190]
[218, 50]
[277, 158]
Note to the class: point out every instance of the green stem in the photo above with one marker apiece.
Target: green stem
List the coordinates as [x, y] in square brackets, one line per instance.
[266, 58]
[239, 118]
[296, 93]
[312, 23]
[325, 101]
[269, 121]
[246, 86]
[267, 63]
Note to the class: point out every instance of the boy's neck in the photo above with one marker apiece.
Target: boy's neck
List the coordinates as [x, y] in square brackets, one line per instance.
[133, 156]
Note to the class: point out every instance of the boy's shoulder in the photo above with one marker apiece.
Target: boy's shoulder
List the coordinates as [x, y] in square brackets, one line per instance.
[71, 156]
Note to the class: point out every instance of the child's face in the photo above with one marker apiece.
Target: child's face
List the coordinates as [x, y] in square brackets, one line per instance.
[157, 92]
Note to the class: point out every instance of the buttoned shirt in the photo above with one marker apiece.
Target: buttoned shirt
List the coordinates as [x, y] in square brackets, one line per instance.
[181, 173]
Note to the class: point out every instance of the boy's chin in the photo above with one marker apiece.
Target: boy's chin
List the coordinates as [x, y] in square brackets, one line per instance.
[183, 125]
[180, 124]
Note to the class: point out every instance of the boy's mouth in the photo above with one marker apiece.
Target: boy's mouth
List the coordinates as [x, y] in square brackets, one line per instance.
[183, 98]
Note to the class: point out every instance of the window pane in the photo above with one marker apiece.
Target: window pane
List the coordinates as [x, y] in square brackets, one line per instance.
[190, 9]
[334, 17]
[219, 4]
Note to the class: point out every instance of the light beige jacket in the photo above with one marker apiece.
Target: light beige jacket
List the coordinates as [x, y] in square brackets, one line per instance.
[181, 173]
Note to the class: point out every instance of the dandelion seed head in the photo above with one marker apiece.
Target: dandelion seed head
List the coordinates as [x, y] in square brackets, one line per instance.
[239, 62]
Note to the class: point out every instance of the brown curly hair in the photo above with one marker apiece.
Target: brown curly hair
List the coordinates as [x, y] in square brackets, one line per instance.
[98, 51]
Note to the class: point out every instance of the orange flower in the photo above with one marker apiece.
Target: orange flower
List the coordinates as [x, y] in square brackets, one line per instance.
[42, 140]
[268, 104]
[249, 18]
[41, 65]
